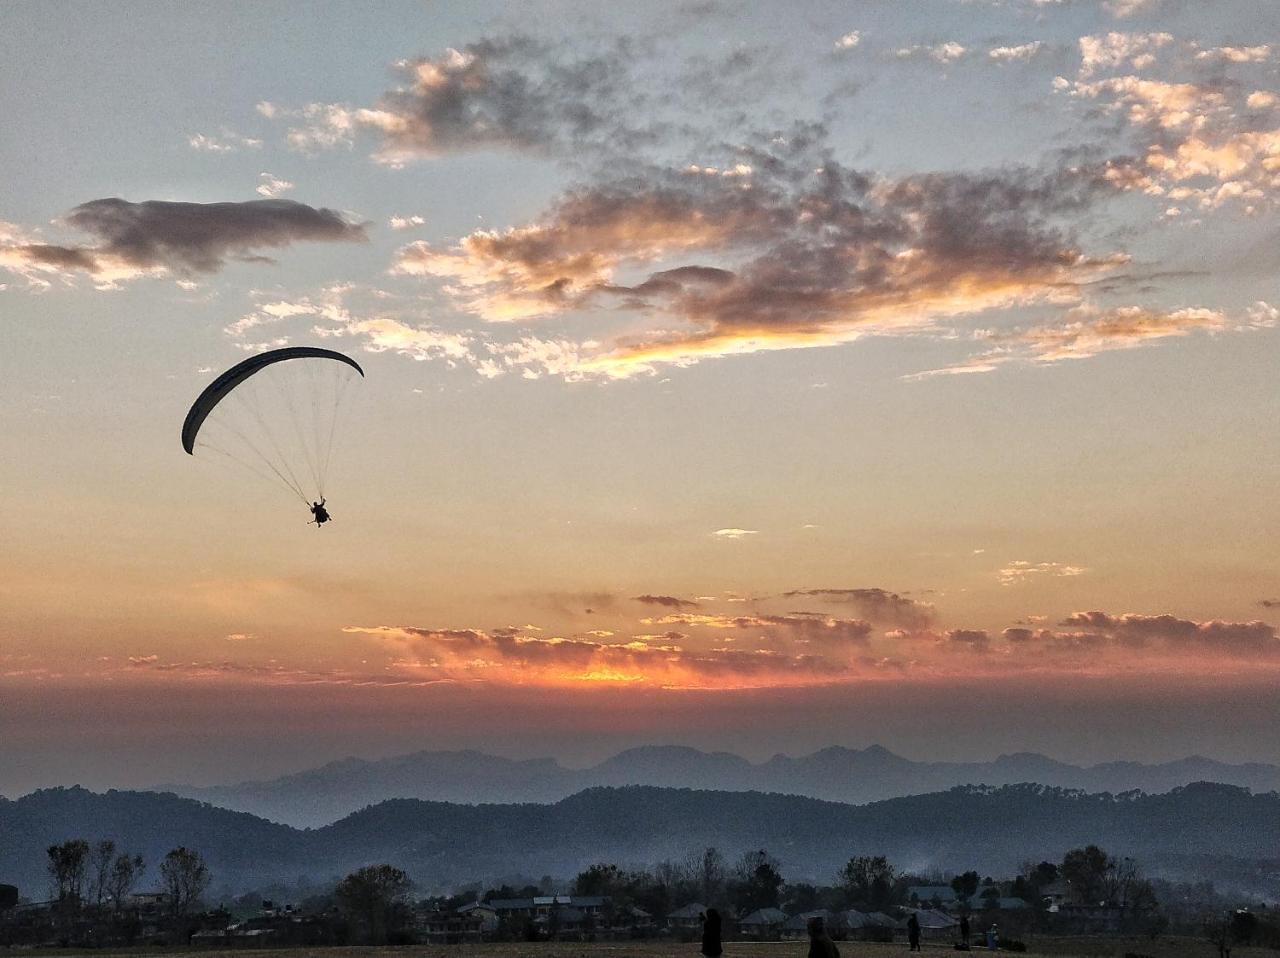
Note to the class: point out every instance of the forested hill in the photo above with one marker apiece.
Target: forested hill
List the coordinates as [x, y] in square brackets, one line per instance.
[990, 829]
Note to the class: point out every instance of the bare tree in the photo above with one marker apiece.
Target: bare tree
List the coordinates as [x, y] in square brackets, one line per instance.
[126, 871]
[100, 860]
[185, 877]
[707, 868]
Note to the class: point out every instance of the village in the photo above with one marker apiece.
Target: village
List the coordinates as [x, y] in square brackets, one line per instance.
[1088, 894]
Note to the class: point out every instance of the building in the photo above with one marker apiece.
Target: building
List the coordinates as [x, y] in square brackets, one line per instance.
[487, 914]
[763, 924]
[934, 925]
[450, 928]
[687, 918]
[866, 926]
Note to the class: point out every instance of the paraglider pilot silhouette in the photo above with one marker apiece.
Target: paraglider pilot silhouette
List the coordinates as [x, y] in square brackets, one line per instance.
[290, 448]
[320, 512]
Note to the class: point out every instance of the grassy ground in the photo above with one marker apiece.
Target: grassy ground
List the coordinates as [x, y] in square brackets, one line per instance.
[1163, 947]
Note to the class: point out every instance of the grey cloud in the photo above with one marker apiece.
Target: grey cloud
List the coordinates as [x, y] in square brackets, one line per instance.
[666, 601]
[878, 605]
[187, 237]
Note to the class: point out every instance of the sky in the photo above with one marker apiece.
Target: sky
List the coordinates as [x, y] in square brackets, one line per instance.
[750, 376]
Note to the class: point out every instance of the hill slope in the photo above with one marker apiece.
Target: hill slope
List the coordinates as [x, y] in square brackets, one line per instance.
[442, 844]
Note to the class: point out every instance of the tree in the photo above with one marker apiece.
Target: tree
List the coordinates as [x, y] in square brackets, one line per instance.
[802, 897]
[371, 895]
[1086, 869]
[67, 864]
[126, 872]
[868, 882]
[756, 881]
[100, 860]
[600, 879]
[708, 872]
[185, 877]
[965, 886]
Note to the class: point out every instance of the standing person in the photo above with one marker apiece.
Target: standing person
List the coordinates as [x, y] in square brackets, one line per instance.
[820, 943]
[711, 946]
[993, 938]
[913, 932]
[964, 931]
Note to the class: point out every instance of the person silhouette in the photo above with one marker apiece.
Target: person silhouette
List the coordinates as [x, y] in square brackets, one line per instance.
[964, 931]
[711, 946]
[913, 932]
[820, 943]
[320, 512]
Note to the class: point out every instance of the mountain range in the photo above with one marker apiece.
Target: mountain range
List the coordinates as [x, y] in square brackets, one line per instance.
[322, 795]
[446, 845]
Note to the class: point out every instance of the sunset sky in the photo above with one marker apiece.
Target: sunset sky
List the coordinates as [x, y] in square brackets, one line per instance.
[750, 376]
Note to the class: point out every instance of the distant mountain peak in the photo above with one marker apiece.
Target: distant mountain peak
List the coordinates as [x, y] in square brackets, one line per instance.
[836, 773]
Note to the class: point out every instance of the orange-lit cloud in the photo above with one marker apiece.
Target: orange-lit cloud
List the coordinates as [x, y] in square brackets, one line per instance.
[1088, 331]
[509, 656]
[810, 254]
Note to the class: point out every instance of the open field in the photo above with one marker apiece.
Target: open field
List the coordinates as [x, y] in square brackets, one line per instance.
[1163, 947]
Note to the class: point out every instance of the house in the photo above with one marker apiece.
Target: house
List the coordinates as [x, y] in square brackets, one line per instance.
[995, 903]
[487, 914]
[934, 925]
[1099, 919]
[866, 926]
[797, 926]
[687, 918]
[1055, 895]
[763, 924]
[450, 928]
[635, 921]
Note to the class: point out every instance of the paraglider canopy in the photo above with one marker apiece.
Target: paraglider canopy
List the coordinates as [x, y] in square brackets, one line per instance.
[217, 390]
[275, 415]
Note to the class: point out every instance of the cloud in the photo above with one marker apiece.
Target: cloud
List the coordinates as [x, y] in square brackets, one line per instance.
[809, 625]
[1088, 331]
[945, 53]
[1020, 571]
[1255, 54]
[667, 601]
[1022, 52]
[158, 236]
[734, 533]
[226, 142]
[267, 674]
[1135, 630]
[1117, 50]
[272, 185]
[803, 252]
[1122, 9]
[1201, 136]
[976, 639]
[849, 40]
[877, 605]
[509, 656]
[406, 222]
[499, 93]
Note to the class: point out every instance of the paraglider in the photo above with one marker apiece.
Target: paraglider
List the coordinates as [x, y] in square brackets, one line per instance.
[320, 512]
[276, 416]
